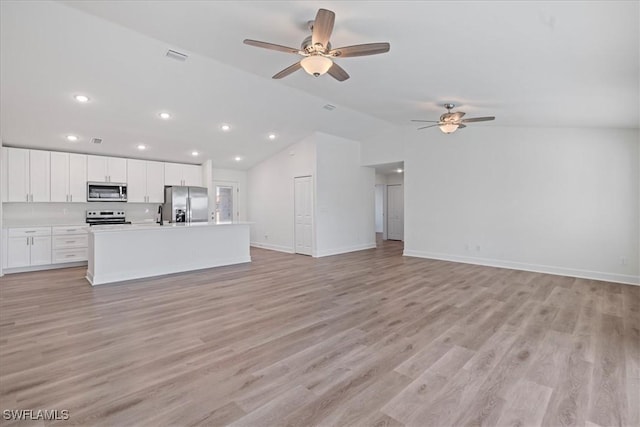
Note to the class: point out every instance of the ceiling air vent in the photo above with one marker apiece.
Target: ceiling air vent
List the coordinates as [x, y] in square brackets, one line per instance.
[96, 140]
[329, 107]
[176, 55]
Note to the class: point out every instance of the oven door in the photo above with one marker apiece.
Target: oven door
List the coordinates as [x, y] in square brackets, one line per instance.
[106, 192]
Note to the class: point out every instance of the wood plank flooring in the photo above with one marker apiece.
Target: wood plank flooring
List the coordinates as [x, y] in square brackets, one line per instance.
[369, 338]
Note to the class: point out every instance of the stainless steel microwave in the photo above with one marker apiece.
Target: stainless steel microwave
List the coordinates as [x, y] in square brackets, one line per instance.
[106, 192]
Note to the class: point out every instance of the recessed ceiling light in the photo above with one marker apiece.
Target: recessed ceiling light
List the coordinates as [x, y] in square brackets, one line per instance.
[399, 170]
[165, 116]
[72, 138]
[237, 158]
[225, 128]
[272, 136]
[81, 98]
[195, 153]
[142, 147]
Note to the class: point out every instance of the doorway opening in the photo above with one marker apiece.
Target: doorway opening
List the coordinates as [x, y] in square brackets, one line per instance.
[389, 201]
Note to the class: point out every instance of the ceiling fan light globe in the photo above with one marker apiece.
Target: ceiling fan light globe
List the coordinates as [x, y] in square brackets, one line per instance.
[316, 65]
[448, 127]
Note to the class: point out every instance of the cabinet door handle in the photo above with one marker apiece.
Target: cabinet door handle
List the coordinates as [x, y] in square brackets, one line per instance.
[71, 197]
[32, 241]
[27, 197]
[27, 241]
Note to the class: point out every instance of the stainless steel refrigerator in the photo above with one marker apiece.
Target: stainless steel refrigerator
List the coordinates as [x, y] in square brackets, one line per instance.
[185, 204]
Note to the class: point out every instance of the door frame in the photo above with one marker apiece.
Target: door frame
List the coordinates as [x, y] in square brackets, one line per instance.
[385, 236]
[313, 214]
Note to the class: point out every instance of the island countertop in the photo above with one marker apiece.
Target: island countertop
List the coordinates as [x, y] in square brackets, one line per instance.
[125, 252]
[145, 226]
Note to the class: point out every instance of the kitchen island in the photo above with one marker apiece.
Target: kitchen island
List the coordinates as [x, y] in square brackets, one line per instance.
[127, 252]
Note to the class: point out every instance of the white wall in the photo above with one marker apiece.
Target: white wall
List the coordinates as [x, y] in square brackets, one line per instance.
[345, 197]
[558, 200]
[271, 191]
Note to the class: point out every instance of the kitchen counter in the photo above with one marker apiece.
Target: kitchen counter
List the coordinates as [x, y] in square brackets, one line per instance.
[119, 253]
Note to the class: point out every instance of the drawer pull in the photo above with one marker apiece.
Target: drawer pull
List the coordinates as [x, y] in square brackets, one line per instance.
[31, 231]
[71, 229]
[70, 241]
[70, 256]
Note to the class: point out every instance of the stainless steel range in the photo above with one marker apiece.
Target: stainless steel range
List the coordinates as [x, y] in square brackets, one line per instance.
[106, 217]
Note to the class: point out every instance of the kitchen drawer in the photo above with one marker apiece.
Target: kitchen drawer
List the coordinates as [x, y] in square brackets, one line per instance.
[70, 229]
[70, 241]
[29, 231]
[69, 255]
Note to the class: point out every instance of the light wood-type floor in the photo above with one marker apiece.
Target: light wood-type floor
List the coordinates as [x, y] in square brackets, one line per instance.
[368, 338]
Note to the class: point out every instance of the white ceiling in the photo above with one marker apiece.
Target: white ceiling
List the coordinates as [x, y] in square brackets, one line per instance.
[569, 64]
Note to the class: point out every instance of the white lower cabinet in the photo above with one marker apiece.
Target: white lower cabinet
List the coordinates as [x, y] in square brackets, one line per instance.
[70, 244]
[37, 246]
[28, 247]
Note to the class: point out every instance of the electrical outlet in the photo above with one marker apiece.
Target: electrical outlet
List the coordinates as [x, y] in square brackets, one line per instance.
[466, 246]
[266, 237]
[478, 248]
[623, 260]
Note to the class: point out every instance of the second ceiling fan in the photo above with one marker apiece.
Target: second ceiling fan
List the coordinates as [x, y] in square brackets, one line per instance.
[318, 54]
[451, 121]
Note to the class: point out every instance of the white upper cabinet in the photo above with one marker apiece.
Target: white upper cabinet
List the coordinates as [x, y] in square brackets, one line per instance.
[117, 169]
[155, 182]
[180, 174]
[28, 175]
[106, 169]
[172, 174]
[77, 178]
[39, 175]
[137, 181]
[17, 174]
[68, 177]
[192, 175]
[145, 182]
[59, 177]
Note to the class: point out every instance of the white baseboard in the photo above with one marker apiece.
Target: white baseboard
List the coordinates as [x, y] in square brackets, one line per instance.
[285, 249]
[44, 267]
[537, 268]
[345, 250]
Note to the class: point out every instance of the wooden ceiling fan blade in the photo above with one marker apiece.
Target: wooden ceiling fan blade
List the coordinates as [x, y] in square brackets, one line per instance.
[271, 46]
[460, 126]
[291, 69]
[338, 73]
[322, 27]
[360, 50]
[478, 119]
[430, 126]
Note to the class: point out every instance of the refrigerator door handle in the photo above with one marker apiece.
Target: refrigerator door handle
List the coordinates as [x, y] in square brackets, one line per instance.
[188, 209]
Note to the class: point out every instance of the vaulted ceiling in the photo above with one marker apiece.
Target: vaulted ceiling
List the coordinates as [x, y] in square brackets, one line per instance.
[565, 64]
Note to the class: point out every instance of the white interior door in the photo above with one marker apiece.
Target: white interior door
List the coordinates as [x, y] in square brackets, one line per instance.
[303, 206]
[395, 212]
[226, 209]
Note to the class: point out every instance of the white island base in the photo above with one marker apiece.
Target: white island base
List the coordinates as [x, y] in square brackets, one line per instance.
[119, 253]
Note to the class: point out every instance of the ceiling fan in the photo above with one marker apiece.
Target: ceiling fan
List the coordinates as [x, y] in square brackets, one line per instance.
[317, 51]
[450, 122]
